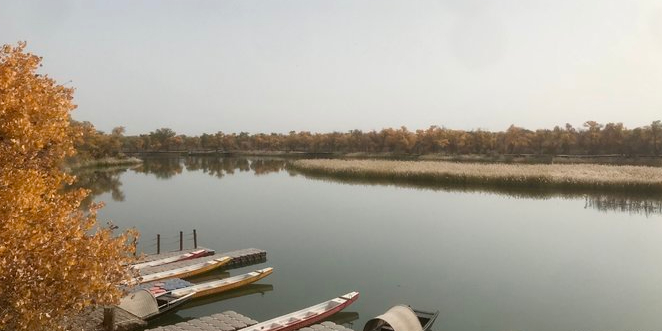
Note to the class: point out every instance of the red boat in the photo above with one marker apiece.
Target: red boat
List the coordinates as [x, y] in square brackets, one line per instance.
[307, 316]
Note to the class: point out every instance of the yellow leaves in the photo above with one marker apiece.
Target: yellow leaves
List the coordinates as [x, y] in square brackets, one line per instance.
[51, 266]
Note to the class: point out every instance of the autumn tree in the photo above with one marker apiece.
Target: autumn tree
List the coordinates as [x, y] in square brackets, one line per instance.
[162, 138]
[516, 139]
[656, 132]
[592, 136]
[54, 260]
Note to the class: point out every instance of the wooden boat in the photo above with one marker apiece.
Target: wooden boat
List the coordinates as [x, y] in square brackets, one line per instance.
[307, 316]
[181, 257]
[222, 285]
[183, 272]
[426, 318]
[145, 305]
[402, 318]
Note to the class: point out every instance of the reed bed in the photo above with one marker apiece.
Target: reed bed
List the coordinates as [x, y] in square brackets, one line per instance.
[548, 176]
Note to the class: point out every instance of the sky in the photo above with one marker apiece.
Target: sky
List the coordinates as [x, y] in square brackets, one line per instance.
[334, 65]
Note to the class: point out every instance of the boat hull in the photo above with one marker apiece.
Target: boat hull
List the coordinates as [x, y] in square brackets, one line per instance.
[173, 259]
[308, 322]
[232, 286]
[184, 272]
[202, 270]
[312, 315]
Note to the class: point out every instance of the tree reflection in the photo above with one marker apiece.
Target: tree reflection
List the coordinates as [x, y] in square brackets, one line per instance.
[104, 180]
[267, 166]
[99, 182]
[626, 204]
[217, 167]
[161, 168]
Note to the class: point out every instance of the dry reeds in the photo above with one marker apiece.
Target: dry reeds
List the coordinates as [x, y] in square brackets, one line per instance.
[552, 176]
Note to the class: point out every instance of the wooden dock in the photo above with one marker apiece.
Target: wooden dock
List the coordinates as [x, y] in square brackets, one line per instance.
[232, 321]
[325, 326]
[92, 320]
[225, 321]
[239, 258]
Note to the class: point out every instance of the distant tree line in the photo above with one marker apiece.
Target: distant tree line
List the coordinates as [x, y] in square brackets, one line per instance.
[591, 139]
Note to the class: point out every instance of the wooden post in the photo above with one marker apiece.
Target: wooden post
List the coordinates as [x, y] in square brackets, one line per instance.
[158, 244]
[181, 240]
[195, 239]
[109, 318]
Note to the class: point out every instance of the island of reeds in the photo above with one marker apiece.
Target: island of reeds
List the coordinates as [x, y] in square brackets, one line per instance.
[543, 176]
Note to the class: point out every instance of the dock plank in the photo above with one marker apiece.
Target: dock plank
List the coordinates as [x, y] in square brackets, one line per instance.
[232, 321]
[225, 321]
[92, 320]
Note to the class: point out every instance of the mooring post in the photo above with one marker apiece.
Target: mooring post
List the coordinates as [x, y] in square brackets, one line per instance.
[109, 318]
[181, 240]
[195, 239]
[158, 243]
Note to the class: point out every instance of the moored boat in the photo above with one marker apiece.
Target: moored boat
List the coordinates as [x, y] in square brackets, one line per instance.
[145, 305]
[307, 316]
[402, 318]
[181, 257]
[222, 285]
[183, 272]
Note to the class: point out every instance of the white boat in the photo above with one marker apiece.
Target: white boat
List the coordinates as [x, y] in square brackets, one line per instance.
[145, 305]
[307, 316]
[181, 257]
[183, 272]
[402, 318]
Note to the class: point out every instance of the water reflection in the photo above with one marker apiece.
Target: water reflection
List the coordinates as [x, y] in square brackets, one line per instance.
[642, 205]
[105, 180]
[250, 289]
[161, 168]
[344, 318]
[632, 203]
[217, 167]
[99, 181]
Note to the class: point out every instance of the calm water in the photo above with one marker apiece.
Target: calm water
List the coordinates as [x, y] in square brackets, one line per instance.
[487, 261]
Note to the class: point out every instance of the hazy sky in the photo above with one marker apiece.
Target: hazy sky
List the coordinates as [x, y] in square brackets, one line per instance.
[274, 65]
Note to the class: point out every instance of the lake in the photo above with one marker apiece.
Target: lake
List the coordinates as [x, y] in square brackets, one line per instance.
[487, 260]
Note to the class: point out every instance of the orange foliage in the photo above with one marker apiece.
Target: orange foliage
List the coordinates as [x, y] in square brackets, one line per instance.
[54, 260]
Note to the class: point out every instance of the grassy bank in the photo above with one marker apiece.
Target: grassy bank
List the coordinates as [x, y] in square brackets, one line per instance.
[545, 176]
[548, 159]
